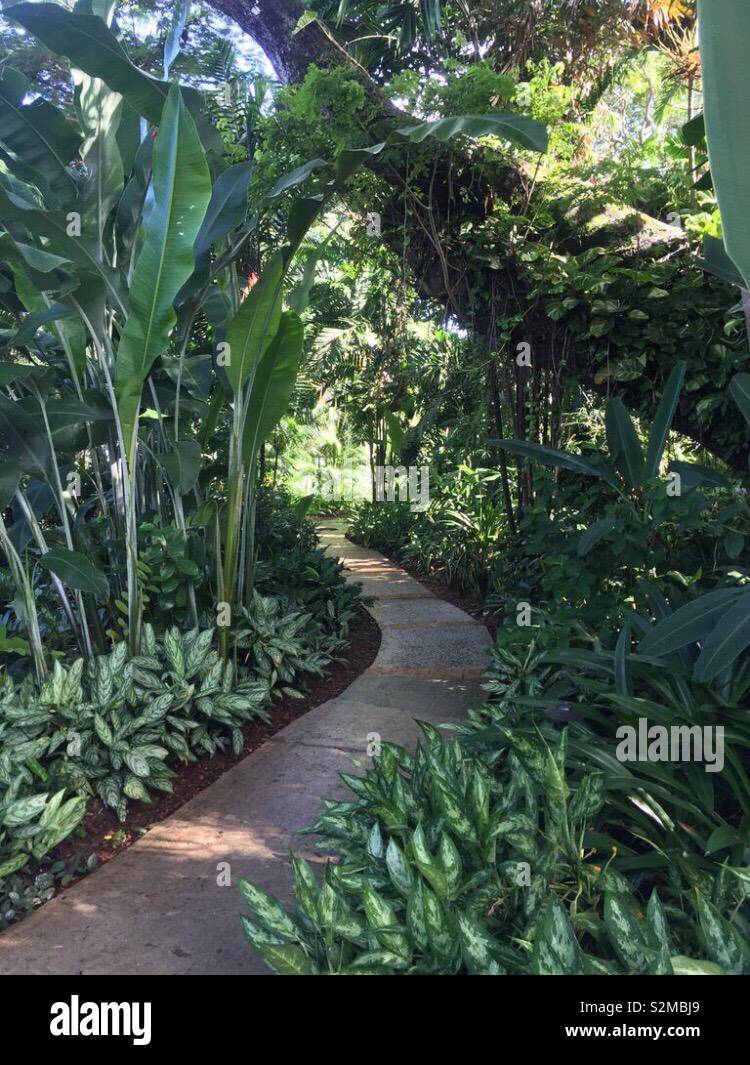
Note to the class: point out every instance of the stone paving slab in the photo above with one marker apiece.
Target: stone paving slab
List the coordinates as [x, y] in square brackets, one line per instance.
[158, 908]
[418, 695]
[418, 611]
[440, 648]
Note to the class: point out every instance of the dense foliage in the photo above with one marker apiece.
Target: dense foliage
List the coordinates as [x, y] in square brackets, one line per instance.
[495, 243]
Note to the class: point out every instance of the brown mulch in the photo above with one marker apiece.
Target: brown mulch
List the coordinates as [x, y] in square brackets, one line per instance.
[105, 836]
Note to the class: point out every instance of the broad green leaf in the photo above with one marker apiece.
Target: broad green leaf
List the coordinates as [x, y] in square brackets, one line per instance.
[693, 132]
[10, 372]
[725, 643]
[627, 932]
[287, 959]
[83, 250]
[550, 456]
[295, 177]
[382, 919]
[556, 951]
[739, 389]
[91, 46]
[427, 865]
[724, 39]
[519, 129]
[302, 214]
[476, 943]
[351, 159]
[23, 439]
[716, 261]
[100, 110]
[596, 532]
[21, 811]
[656, 918]
[692, 475]
[663, 420]
[183, 465]
[255, 325]
[181, 188]
[722, 838]
[269, 912]
[75, 570]
[684, 966]
[10, 475]
[29, 327]
[69, 410]
[273, 383]
[724, 942]
[12, 865]
[690, 623]
[36, 258]
[172, 40]
[38, 137]
[226, 209]
[399, 869]
[136, 763]
[134, 787]
[623, 443]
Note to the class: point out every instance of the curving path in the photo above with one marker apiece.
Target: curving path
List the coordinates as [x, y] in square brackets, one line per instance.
[159, 907]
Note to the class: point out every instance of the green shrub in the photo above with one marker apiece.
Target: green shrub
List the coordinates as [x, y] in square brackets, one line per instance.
[447, 865]
[109, 728]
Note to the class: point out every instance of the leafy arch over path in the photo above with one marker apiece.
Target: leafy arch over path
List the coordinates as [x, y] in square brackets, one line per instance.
[436, 263]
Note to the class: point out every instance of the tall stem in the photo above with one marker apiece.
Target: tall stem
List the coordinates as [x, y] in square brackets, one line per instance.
[23, 583]
[63, 511]
[41, 543]
[236, 476]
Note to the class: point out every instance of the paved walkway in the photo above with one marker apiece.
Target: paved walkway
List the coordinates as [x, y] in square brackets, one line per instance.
[158, 908]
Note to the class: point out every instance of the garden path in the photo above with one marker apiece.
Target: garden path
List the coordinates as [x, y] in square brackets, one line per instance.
[159, 907]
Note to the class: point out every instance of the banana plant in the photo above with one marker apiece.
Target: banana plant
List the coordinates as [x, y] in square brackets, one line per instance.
[724, 34]
[113, 242]
[625, 468]
[120, 238]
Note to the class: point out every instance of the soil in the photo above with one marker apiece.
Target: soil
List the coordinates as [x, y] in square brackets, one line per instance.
[105, 836]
